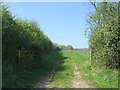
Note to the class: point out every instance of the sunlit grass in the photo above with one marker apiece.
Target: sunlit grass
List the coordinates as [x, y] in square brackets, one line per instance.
[100, 78]
[96, 77]
[64, 74]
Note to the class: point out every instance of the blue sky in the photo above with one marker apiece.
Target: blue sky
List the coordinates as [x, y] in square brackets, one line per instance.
[64, 22]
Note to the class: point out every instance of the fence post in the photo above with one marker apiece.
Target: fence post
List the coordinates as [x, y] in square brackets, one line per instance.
[19, 56]
[18, 63]
[90, 58]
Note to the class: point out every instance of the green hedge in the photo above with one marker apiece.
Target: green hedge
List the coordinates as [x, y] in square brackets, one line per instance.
[22, 35]
[104, 40]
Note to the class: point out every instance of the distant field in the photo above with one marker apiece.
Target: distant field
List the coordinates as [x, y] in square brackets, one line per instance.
[78, 50]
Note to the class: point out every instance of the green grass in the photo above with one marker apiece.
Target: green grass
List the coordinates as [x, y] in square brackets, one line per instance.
[64, 75]
[100, 78]
[95, 77]
[27, 79]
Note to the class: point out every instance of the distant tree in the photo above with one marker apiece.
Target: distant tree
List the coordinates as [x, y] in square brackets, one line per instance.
[69, 47]
[56, 46]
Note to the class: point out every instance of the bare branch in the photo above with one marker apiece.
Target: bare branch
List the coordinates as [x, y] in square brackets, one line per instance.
[94, 5]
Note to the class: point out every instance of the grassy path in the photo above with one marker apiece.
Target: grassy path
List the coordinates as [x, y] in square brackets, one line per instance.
[64, 69]
[68, 74]
[42, 83]
[78, 81]
[74, 73]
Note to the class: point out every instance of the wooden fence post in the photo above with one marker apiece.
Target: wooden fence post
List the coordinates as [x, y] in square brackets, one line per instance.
[90, 58]
[19, 57]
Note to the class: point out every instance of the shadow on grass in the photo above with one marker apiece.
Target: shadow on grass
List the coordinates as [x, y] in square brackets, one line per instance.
[66, 58]
[50, 67]
[35, 77]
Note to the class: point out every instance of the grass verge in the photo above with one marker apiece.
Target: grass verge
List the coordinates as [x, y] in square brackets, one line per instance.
[100, 78]
[96, 77]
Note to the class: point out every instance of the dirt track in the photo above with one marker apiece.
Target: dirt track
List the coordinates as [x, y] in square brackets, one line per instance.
[78, 82]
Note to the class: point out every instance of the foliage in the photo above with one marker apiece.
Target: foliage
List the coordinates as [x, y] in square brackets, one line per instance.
[21, 35]
[56, 46]
[104, 32]
[28, 79]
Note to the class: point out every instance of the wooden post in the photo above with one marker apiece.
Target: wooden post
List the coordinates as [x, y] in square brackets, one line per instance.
[90, 58]
[19, 56]
[18, 63]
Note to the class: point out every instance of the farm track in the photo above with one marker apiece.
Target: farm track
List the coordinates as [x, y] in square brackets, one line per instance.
[46, 79]
[78, 82]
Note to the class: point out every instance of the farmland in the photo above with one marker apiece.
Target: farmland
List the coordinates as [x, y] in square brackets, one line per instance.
[32, 59]
[65, 72]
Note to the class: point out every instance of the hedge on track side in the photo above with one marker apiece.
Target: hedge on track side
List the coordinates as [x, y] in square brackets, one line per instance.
[104, 40]
[22, 35]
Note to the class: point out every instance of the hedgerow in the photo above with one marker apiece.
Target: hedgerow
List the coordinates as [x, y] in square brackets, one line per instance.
[104, 31]
[22, 35]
